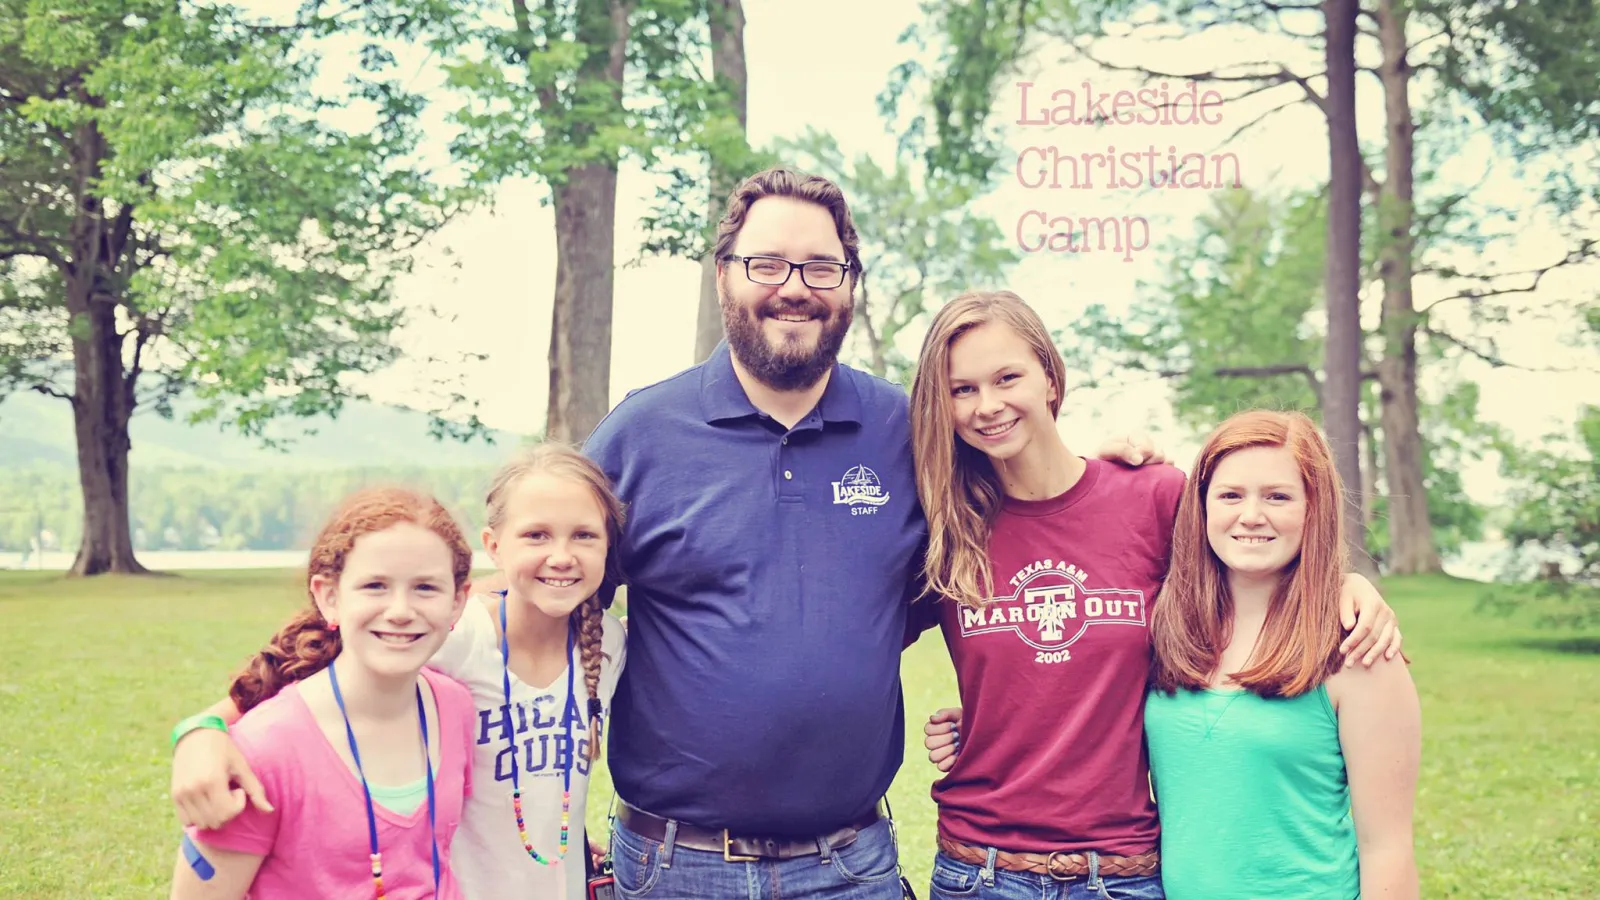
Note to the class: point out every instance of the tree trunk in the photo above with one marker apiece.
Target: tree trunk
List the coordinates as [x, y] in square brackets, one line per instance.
[580, 329]
[102, 394]
[1411, 547]
[1341, 411]
[728, 71]
[876, 360]
[586, 238]
[100, 412]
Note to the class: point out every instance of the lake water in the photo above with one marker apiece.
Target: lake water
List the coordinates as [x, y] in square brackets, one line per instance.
[1479, 562]
[168, 560]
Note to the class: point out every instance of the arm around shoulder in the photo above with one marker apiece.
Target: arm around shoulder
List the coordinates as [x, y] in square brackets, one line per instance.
[1380, 732]
[211, 780]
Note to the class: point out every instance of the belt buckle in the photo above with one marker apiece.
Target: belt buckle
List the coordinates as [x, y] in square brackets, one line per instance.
[728, 854]
[1050, 868]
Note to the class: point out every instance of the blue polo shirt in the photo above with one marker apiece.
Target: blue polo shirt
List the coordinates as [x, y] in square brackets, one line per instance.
[767, 572]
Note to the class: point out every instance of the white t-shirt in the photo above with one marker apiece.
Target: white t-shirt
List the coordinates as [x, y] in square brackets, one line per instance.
[487, 854]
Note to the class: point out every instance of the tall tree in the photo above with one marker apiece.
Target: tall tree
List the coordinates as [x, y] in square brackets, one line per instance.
[1341, 393]
[732, 80]
[585, 197]
[1407, 493]
[563, 91]
[176, 213]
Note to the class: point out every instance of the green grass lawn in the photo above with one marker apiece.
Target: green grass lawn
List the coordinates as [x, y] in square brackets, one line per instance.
[94, 673]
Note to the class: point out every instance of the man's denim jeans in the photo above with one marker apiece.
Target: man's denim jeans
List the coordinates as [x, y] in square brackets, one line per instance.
[866, 869]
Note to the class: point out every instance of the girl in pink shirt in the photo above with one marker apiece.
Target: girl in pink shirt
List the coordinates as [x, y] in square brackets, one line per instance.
[366, 755]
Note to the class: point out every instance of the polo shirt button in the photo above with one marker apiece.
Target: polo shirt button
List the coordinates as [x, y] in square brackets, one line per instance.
[784, 441]
[787, 475]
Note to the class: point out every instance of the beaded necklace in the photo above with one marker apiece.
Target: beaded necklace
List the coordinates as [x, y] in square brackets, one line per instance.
[372, 819]
[516, 764]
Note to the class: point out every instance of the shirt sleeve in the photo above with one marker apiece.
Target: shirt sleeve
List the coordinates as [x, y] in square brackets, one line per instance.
[469, 721]
[251, 831]
[922, 611]
[452, 656]
[1169, 494]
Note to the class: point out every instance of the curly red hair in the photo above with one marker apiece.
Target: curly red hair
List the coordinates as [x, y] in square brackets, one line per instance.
[306, 644]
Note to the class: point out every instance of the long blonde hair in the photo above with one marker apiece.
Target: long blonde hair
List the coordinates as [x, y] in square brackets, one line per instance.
[960, 492]
[563, 461]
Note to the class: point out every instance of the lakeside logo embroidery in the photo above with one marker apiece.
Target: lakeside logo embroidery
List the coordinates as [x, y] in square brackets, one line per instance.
[860, 490]
[1051, 609]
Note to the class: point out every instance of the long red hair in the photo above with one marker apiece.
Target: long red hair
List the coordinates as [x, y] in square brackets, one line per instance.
[306, 645]
[1192, 620]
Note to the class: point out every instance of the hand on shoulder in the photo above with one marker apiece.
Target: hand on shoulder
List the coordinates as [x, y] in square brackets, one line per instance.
[1384, 679]
[1132, 449]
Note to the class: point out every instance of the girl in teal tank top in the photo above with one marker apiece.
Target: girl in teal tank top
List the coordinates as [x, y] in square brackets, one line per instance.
[1251, 791]
[1278, 773]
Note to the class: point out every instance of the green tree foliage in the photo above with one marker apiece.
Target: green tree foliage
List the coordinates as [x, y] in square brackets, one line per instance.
[1236, 323]
[177, 208]
[1555, 524]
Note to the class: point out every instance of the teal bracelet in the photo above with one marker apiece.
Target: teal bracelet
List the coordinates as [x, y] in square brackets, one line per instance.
[204, 720]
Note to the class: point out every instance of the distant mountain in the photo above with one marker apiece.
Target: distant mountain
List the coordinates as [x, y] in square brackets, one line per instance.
[38, 429]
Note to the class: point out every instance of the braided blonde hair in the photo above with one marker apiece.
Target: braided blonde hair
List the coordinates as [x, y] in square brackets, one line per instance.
[563, 461]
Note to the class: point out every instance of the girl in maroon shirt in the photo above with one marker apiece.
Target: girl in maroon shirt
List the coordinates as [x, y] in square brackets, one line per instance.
[1042, 566]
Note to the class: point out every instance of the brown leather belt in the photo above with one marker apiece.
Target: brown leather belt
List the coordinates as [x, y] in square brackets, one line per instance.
[1059, 865]
[741, 847]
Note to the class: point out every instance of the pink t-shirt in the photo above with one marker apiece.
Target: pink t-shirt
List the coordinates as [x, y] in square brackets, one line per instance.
[316, 841]
[1053, 670]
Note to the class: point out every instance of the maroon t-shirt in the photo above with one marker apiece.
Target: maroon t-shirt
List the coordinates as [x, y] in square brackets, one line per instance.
[1053, 670]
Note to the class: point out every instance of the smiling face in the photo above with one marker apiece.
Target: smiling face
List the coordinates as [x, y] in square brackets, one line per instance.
[1256, 511]
[551, 544]
[1000, 397]
[395, 600]
[788, 336]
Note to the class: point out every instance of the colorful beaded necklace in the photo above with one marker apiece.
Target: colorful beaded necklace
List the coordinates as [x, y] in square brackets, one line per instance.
[372, 819]
[516, 764]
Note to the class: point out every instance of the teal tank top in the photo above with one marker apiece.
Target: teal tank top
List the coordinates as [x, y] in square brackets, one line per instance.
[1253, 797]
[402, 800]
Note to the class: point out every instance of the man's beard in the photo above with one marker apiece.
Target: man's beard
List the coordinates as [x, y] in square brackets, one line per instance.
[787, 367]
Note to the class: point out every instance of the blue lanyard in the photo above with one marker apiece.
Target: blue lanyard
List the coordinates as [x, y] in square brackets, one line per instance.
[566, 704]
[427, 767]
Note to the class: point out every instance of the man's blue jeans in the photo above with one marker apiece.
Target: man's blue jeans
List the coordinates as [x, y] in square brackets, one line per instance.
[866, 869]
[957, 880]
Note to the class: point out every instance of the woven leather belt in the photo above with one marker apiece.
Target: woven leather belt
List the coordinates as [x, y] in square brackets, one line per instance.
[1059, 865]
[740, 847]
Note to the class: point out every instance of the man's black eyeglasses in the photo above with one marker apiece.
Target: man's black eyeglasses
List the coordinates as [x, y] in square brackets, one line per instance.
[821, 275]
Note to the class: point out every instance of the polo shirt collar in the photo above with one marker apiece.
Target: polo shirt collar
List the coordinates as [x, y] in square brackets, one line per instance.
[722, 397]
